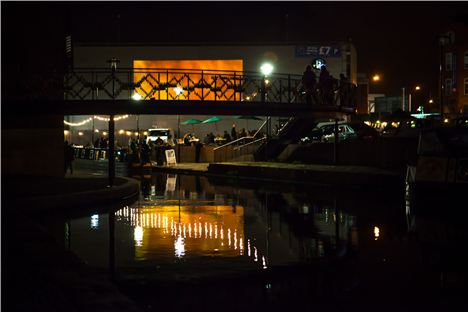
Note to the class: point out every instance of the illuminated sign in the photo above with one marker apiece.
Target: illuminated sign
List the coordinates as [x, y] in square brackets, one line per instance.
[318, 63]
[316, 50]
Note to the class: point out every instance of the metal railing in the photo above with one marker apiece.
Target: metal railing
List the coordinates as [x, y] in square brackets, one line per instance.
[181, 84]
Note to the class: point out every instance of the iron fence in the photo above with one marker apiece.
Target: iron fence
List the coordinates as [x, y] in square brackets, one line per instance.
[181, 84]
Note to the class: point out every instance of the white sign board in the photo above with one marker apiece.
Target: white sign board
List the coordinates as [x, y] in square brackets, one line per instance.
[170, 157]
[171, 182]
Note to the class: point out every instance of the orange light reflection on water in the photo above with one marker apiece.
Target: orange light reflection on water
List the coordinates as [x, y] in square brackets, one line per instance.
[167, 227]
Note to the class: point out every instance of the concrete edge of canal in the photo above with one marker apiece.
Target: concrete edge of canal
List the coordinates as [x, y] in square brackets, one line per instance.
[42, 274]
[325, 175]
[90, 191]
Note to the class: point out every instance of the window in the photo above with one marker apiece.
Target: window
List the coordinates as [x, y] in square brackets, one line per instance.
[448, 86]
[465, 84]
[465, 60]
[448, 61]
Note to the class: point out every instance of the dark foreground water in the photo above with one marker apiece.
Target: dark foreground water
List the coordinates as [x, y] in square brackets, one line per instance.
[194, 244]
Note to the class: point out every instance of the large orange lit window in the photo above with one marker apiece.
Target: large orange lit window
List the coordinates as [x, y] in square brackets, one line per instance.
[184, 80]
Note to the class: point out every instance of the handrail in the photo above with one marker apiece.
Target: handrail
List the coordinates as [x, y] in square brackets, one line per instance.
[232, 142]
[260, 139]
[156, 69]
[266, 121]
[179, 84]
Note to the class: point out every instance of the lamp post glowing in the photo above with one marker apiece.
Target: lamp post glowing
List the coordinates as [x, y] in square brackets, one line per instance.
[371, 103]
[266, 70]
[417, 88]
[137, 97]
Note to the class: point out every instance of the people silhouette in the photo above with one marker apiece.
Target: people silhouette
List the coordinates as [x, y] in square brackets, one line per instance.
[309, 80]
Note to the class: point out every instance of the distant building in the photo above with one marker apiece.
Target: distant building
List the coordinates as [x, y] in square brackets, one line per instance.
[292, 58]
[371, 99]
[454, 75]
[339, 57]
[389, 104]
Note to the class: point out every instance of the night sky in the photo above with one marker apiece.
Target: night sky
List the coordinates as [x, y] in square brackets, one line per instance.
[395, 39]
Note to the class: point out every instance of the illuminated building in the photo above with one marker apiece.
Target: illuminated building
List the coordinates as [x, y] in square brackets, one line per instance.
[340, 58]
[454, 64]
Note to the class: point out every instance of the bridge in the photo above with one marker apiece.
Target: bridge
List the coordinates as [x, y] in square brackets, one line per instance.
[89, 91]
[107, 91]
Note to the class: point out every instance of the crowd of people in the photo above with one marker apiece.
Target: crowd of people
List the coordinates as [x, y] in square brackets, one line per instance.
[327, 90]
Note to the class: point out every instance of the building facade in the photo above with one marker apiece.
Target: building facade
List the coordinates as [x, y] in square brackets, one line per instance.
[339, 57]
[454, 69]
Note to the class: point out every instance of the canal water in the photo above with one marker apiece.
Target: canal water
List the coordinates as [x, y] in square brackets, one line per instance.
[190, 242]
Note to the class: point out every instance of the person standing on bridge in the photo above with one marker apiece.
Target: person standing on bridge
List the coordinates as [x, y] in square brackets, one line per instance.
[326, 86]
[309, 80]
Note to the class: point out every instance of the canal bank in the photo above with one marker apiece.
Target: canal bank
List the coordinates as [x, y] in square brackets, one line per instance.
[41, 274]
[321, 175]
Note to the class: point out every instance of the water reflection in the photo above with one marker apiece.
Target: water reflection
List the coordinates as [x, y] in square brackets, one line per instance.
[187, 219]
[154, 225]
[187, 227]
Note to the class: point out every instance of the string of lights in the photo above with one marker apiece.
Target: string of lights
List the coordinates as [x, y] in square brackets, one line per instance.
[81, 123]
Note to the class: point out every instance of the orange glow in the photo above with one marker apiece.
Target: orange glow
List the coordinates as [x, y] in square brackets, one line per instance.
[201, 230]
[180, 82]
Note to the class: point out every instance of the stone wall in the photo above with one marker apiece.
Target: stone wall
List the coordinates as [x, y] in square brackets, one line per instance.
[33, 146]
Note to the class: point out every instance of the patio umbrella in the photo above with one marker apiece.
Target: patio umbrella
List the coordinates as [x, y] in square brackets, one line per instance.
[191, 122]
[213, 119]
[247, 118]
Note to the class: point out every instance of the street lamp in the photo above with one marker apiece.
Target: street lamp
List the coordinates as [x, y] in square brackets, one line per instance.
[266, 70]
[137, 97]
[416, 88]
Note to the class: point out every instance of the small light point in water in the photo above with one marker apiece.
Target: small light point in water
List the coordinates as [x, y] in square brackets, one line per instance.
[376, 233]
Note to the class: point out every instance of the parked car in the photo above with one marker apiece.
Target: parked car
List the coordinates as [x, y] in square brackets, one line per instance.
[322, 128]
[345, 132]
[364, 131]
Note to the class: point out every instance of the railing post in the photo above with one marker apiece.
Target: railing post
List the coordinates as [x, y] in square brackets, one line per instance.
[289, 88]
[188, 87]
[215, 89]
[112, 128]
[335, 143]
[281, 90]
[263, 90]
[234, 86]
[167, 84]
[159, 87]
[202, 89]
[130, 86]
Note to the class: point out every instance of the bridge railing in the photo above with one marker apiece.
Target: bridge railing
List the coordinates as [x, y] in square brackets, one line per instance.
[181, 84]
